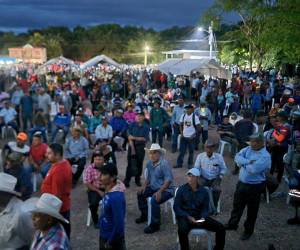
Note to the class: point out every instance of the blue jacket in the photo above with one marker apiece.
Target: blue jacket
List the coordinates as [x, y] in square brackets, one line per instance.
[62, 120]
[112, 219]
[257, 101]
[118, 124]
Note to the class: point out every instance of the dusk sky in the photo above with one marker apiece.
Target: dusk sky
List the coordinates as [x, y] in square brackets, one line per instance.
[20, 15]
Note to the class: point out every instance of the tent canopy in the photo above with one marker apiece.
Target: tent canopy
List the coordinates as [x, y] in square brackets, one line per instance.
[59, 61]
[185, 66]
[99, 59]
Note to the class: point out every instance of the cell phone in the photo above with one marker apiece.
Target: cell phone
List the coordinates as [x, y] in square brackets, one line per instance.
[200, 221]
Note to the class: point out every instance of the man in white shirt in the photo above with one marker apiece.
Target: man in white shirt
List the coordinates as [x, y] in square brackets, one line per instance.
[104, 131]
[8, 117]
[16, 229]
[189, 125]
[212, 170]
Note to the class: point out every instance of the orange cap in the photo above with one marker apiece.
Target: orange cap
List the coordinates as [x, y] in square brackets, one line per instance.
[291, 100]
[22, 136]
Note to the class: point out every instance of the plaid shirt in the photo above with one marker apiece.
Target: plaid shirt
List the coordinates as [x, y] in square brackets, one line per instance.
[54, 239]
[92, 176]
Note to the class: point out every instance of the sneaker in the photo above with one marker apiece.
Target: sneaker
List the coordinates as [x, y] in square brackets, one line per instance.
[246, 236]
[151, 229]
[141, 219]
[138, 183]
[294, 221]
[229, 227]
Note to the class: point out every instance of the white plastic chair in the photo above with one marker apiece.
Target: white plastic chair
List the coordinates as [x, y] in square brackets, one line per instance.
[267, 196]
[6, 130]
[178, 141]
[255, 127]
[34, 181]
[222, 146]
[89, 215]
[169, 202]
[202, 232]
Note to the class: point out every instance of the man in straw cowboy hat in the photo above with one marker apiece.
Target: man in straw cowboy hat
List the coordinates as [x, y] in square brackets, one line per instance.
[50, 234]
[158, 185]
[16, 227]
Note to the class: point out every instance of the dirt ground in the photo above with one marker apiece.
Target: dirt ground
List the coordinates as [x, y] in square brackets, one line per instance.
[270, 228]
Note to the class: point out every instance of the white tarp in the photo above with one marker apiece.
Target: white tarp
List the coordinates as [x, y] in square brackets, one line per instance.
[99, 59]
[68, 63]
[185, 66]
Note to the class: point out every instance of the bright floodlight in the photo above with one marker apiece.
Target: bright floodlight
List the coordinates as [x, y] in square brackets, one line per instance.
[200, 29]
[147, 48]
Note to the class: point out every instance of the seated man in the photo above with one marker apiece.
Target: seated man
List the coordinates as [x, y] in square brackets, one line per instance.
[14, 166]
[119, 126]
[212, 169]
[77, 148]
[91, 178]
[95, 121]
[49, 234]
[8, 116]
[226, 132]
[104, 131]
[18, 146]
[16, 233]
[37, 155]
[39, 125]
[61, 121]
[158, 185]
[191, 208]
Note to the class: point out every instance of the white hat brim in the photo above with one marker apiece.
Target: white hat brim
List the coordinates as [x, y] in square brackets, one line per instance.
[51, 213]
[6, 190]
[162, 150]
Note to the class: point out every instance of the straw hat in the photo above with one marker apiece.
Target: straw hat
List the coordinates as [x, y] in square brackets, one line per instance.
[8, 184]
[156, 147]
[49, 204]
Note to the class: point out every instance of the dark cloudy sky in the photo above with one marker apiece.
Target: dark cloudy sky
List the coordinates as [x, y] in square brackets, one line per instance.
[19, 15]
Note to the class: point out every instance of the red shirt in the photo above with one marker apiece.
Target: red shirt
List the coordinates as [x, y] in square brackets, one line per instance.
[38, 152]
[58, 182]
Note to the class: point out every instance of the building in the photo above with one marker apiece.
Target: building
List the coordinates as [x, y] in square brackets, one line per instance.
[29, 54]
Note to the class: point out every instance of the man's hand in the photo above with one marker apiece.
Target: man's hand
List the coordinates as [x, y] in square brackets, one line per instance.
[130, 137]
[192, 220]
[100, 193]
[157, 196]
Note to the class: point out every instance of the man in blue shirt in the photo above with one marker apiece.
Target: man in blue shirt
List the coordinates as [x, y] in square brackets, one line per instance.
[191, 208]
[175, 122]
[77, 148]
[113, 211]
[254, 161]
[158, 185]
[61, 121]
[119, 126]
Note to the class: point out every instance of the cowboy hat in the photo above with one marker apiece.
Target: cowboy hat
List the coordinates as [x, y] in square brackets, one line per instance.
[8, 184]
[156, 147]
[49, 204]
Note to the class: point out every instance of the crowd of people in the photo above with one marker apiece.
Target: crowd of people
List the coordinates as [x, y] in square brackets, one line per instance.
[64, 129]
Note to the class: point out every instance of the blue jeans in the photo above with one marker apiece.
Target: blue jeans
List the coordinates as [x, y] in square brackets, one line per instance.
[186, 143]
[156, 132]
[155, 206]
[176, 132]
[55, 131]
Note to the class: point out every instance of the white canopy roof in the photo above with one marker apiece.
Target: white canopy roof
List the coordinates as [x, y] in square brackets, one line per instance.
[98, 59]
[185, 66]
[59, 61]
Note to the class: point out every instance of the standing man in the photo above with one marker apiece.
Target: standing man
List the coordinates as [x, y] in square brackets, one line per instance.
[191, 207]
[58, 181]
[254, 161]
[204, 115]
[175, 122]
[44, 103]
[158, 185]
[189, 125]
[62, 121]
[26, 110]
[112, 219]
[158, 119]
[138, 136]
[212, 170]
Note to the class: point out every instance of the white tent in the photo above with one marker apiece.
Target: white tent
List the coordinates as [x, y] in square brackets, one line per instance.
[204, 66]
[60, 61]
[99, 59]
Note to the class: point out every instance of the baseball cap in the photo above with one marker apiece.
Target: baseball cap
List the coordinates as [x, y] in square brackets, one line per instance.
[22, 136]
[257, 137]
[193, 172]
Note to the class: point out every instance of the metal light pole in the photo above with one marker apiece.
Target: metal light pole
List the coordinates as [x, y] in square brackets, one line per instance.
[211, 39]
[146, 54]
